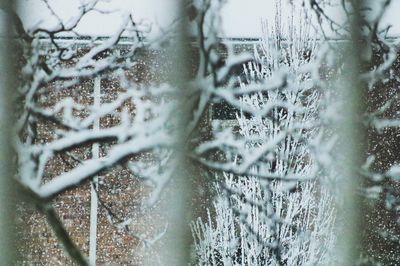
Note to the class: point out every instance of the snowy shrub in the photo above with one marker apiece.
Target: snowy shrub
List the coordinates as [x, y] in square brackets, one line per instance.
[281, 214]
[249, 227]
[270, 222]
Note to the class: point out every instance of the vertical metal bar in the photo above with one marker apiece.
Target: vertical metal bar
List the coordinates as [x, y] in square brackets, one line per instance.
[352, 135]
[7, 168]
[177, 206]
[93, 187]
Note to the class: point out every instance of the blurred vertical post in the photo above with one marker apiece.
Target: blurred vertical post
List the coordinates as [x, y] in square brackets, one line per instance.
[176, 207]
[94, 184]
[7, 169]
[352, 138]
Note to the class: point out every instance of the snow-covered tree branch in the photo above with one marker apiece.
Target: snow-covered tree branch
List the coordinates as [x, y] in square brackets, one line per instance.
[312, 99]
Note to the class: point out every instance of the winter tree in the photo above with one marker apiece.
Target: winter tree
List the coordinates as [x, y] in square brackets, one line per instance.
[362, 111]
[289, 219]
[303, 128]
[357, 118]
[60, 123]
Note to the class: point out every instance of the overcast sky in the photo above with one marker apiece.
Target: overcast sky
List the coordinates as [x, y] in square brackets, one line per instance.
[241, 18]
